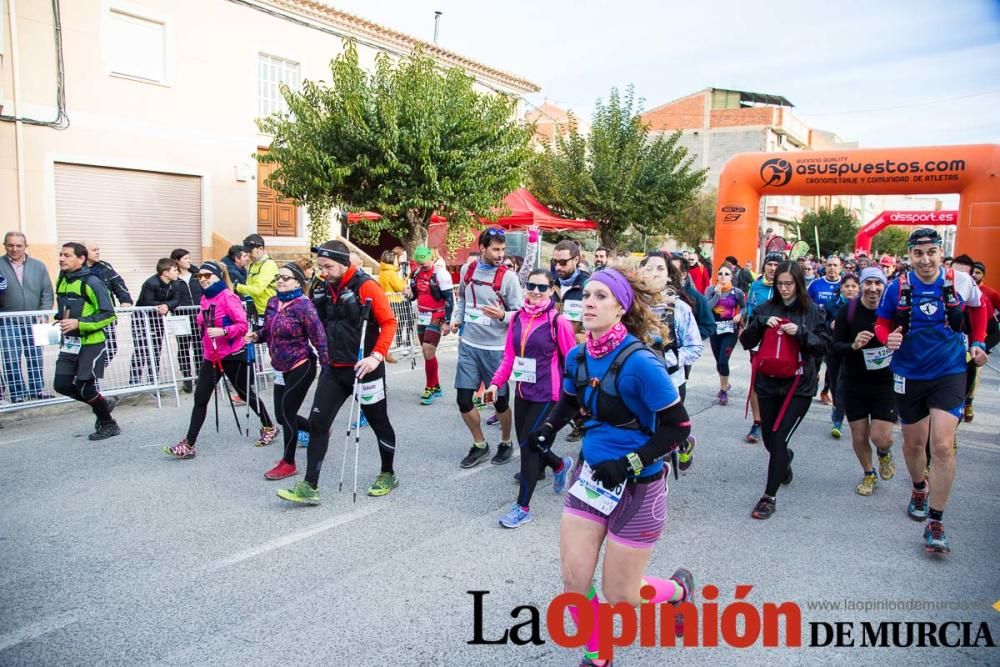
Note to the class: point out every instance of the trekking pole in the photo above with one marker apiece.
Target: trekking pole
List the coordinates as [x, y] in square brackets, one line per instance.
[210, 317]
[251, 369]
[225, 386]
[350, 411]
[357, 432]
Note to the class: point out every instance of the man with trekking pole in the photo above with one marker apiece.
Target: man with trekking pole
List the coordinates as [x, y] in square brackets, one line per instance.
[360, 327]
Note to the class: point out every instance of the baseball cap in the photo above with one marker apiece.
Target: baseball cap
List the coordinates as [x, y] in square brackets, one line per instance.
[253, 241]
[923, 236]
[421, 253]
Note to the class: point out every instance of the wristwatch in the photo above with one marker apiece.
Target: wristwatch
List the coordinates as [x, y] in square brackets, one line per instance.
[378, 355]
[635, 462]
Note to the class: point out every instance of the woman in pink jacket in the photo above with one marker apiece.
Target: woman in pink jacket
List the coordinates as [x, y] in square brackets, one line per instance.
[223, 324]
[537, 343]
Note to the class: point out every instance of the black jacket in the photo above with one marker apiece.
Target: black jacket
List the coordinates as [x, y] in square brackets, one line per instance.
[189, 291]
[155, 292]
[236, 274]
[114, 282]
[814, 341]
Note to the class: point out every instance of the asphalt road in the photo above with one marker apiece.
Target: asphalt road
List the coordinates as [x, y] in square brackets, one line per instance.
[114, 555]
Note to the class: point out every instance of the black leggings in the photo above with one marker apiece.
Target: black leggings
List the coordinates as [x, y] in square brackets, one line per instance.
[722, 348]
[776, 442]
[288, 398]
[85, 391]
[528, 417]
[464, 399]
[335, 386]
[208, 377]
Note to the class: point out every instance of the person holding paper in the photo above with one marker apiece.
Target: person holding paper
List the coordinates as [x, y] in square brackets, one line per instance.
[538, 341]
[633, 415]
[147, 326]
[84, 309]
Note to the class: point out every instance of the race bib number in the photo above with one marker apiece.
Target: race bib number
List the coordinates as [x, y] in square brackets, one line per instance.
[71, 345]
[573, 310]
[279, 378]
[177, 325]
[372, 392]
[898, 384]
[476, 316]
[524, 369]
[878, 358]
[594, 494]
[424, 319]
[725, 327]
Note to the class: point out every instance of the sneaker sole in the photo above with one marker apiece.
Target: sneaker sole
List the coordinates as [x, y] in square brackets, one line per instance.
[497, 462]
[937, 549]
[916, 517]
[295, 499]
[516, 525]
[166, 450]
[276, 478]
[103, 437]
[476, 462]
[378, 494]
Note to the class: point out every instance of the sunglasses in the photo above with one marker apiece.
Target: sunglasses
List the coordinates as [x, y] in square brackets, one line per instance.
[204, 276]
[282, 278]
[537, 287]
[563, 262]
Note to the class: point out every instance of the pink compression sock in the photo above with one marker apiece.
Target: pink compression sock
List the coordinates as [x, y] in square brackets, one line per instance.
[592, 641]
[667, 590]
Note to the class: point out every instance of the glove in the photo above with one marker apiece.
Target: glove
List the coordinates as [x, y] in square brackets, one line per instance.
[612, 473]
[542, 439]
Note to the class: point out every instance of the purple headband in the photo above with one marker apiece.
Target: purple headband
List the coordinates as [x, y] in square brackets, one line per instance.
[618, 285]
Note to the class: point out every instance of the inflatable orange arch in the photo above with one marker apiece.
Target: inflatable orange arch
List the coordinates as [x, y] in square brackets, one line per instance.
[972, 172]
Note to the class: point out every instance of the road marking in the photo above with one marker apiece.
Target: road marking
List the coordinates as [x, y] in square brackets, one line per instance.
[34, 630]
[11, 442]
[292, 538]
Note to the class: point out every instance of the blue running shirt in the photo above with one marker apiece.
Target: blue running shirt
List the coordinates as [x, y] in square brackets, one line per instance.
[822, 291]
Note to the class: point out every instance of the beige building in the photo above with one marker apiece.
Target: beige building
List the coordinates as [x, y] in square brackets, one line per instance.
[132, 122]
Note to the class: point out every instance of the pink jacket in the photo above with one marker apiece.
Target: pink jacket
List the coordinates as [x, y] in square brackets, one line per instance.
[229, 315]
[564, 339]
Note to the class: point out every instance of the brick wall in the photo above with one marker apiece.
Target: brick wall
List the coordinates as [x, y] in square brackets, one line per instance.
[740, 117]
[685, 113]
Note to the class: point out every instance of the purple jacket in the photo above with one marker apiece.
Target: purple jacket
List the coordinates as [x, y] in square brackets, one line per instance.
[288, 332]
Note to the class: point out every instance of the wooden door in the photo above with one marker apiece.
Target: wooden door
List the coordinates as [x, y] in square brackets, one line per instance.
[276, 216]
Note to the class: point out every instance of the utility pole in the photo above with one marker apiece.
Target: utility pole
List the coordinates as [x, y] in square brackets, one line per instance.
[437, 21]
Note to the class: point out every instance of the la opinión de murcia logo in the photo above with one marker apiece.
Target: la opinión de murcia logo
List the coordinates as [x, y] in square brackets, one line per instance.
[738, 624]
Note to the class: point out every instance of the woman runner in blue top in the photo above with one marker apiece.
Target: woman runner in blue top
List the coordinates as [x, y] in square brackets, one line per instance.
[618, 491]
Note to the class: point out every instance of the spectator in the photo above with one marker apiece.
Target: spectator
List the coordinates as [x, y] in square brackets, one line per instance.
[189, 293]
[600, 258]
[308, 268]
[28, 288]
[116, 287]
[260, 279]
[236, 263]
[402, 261]
[147, 327]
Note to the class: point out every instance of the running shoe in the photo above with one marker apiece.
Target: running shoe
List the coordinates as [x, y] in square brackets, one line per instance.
[105, 431]
[575, 435]
[477, 403]
[867, 485]
[428, 396]
[886, 467]
[383, 484]
[935, 539]
[837, 430]
[788, 473]
[494, 420]
[686, 457]
[303, 438]
[560, 477]
[764, 508]
[300, 493]
[267, 436]
[587, 662]
[754, 434]
[281, 471]
[181, 450]
[236, 399]
[475, 455]
[683, 578]
[437, 391]
[504, 452]
[723, 397]
[917, 509]
[516, 517]
[824, 397]
[361, 422]
[968, 415]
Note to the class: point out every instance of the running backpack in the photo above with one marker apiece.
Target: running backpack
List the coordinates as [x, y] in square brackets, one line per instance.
[606, 398]
[779, 356]
[497, 281]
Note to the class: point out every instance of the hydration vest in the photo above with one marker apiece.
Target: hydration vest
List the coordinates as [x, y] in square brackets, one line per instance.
[605, 403]
[342, 320]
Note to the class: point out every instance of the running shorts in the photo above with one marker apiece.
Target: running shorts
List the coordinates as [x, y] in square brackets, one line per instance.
[477, 366]
[864, 399]
[430, 334]
[917, 397]
[89, 364]
[638, 519]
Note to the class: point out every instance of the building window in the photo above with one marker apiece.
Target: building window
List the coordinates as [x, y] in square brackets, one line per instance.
[137, 47]
[271, 72]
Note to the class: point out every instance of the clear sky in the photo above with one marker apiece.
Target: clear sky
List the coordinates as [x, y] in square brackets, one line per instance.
[874, 71]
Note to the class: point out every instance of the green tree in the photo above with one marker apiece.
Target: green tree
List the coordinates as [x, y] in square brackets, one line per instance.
[696, 223]
[617, 175]
[890, 240]
[837, 230]
[406, 140]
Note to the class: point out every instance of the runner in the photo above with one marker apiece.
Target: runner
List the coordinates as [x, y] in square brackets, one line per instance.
[260, 278]
[223, 324]
[866, 379]
[821, 291]
[760, 293]
[489, 297]
[633, 417]
[569, 291]
[966, 264]
[83, 309]
[683, 346]
[920, 320]
[290, 325]
[430, 286]
[341, 304]
[784, 399]
[728, 304]
[538, 341]
[849, 288]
